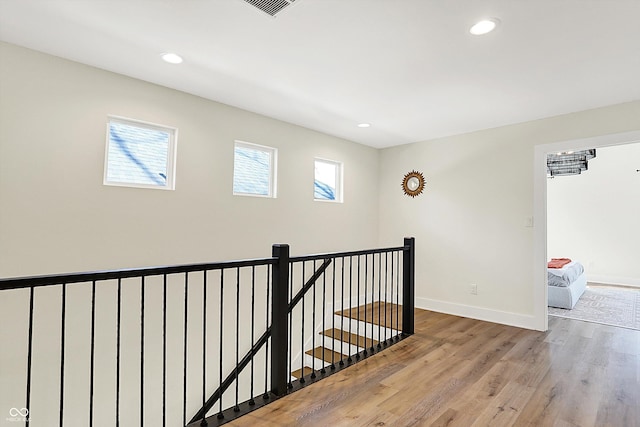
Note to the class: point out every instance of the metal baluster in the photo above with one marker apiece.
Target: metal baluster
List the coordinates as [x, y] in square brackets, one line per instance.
[342, 312]
[164, 350]
[236, 408]
[62, 340]
[29, 350]
[118, 316]
[386, 274]
[290, 370]
[373, 284]
[204, 345]
[350, 301]
[253, 322]
[391, 297]
[184, 350]
[265, 396]
[220, 414]
[333, 316]
[313, 352]
[380, 300]
[398, 294]
[142, 351]
[93, 346]
[366, 275]
[358, 310]
[324, 315]
[313, 327]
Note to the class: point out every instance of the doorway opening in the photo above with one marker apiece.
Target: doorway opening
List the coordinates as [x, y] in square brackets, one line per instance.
[540, 209]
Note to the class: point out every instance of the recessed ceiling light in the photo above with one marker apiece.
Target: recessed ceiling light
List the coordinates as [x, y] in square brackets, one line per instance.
[364, 125]
[485, 26]
[172, 58]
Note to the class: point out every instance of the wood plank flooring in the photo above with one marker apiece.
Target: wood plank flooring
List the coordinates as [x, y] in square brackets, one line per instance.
[464, 372]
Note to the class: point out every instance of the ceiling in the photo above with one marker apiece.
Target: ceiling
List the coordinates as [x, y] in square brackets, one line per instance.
[410, 68]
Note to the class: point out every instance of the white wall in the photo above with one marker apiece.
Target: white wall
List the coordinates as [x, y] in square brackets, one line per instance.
[57, 216]
[470, 222]
[594, 217]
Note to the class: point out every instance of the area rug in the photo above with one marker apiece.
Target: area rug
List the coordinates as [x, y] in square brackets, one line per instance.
[609, 305]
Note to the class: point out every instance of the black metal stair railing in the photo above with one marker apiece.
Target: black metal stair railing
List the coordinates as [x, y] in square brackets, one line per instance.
[61, 305]
[147, 346]
[377, 277]
[232, 377]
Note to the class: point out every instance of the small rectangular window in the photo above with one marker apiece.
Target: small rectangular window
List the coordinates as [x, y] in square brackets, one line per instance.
[254, 170]
[139, 154]
[328, 180]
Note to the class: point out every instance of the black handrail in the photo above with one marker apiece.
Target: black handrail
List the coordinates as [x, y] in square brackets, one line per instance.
[57, 279]
[346, 254]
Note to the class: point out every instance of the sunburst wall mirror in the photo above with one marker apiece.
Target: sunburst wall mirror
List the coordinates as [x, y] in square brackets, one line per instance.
[413, 183]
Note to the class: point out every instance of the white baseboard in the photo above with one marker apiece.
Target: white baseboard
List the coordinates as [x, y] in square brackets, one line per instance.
[494, 316]
[612, 280]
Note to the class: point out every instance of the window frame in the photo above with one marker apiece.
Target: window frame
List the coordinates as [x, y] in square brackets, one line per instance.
[339, 172]
[171, 152]
[273, 167]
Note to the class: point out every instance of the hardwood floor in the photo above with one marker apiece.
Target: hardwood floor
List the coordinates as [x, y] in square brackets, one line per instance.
[463, 372]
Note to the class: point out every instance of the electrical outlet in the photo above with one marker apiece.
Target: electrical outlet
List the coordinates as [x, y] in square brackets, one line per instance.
[474, 289]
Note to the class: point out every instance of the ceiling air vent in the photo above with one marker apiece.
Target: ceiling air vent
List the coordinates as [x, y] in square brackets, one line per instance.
[271, 7]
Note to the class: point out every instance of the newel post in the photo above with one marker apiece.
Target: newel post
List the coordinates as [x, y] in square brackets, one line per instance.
[279, 317]
[408, 284]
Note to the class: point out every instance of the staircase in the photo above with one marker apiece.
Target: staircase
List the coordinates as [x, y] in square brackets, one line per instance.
[358, 329]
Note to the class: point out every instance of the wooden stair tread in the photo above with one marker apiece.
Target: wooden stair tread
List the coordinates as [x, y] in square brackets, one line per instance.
[299, 373]
[347, 337]
[375, 313]
[326, 354]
